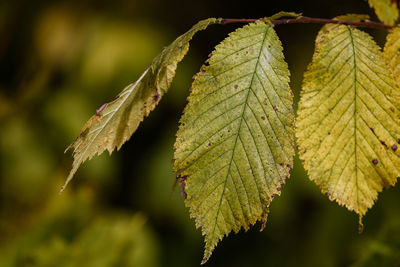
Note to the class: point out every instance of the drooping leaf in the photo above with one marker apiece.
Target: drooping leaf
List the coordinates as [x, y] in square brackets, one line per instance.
[348, 119]
[392, 53]
[386, 10]
[116, 121]
[235, 143]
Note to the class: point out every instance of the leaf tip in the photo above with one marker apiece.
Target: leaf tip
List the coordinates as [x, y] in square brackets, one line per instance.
[70, 176]
[68, 148]
[219, 20]
[62, 189]
[207, 255]
[211, 243]
[264, 217]
[64, 185]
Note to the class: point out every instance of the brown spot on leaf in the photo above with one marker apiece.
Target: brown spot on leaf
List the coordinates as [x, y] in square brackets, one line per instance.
[372, 130]
[182, 183]
[384, 144]
[375, 161]
[263, 118]
[279, 189]
[156, 96]
[281, 164]
[394, 147]
[275, 108]
[235, 86]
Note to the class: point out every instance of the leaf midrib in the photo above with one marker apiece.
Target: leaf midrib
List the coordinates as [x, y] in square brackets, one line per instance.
[239, 127]
[115, 111]
[354, 114]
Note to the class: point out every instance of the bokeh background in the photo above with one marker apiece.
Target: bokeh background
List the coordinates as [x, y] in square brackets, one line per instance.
[60, 60]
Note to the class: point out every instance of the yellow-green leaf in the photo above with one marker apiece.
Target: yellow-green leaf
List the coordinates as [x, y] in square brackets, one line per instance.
[392, 53]
[283, 14]
[116, 121]
[386, 10]
[235, 143]
[348, 119]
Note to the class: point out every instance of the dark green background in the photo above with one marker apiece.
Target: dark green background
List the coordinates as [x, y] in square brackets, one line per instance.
[60, 60]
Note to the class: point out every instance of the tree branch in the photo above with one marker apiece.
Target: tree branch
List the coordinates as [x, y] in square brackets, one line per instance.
[301, 19]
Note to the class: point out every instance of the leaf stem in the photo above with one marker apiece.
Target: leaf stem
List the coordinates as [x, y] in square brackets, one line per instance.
[302, 19]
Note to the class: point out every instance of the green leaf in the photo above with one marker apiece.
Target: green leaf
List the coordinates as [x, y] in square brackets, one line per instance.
[235, 143]
[116, 121]
[386, 10]
[392, 53]
[283, 14]
[348, 119]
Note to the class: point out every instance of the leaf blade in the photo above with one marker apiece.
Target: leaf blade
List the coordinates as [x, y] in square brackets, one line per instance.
[235, 114]
[116, 121]
[386, 10]
[348, 119]
[391, 53]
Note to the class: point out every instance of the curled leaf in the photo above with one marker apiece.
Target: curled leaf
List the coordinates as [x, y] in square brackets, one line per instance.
[116, 121]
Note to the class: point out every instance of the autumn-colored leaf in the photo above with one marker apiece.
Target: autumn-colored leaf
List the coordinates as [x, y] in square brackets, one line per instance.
[235, 143]
[392, 53]
[116, 121]
[348, 125]
[386, 10]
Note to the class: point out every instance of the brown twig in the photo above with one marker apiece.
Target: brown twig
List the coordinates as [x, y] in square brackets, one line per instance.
[301, 19]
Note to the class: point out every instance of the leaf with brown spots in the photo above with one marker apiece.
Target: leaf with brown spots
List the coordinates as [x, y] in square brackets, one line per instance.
[348, 118]
[235, 144]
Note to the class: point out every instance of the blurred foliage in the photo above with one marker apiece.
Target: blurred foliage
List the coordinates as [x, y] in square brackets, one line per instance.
[71, 234]
[384, 250]
[60, 60]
